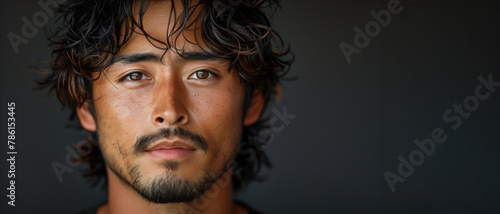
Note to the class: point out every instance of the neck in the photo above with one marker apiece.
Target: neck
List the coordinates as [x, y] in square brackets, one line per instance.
[123, 199]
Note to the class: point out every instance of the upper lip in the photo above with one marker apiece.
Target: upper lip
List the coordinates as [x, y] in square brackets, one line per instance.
[175, 144]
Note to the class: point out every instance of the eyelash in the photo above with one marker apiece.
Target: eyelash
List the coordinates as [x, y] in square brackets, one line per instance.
[127, 77]
[209, 73]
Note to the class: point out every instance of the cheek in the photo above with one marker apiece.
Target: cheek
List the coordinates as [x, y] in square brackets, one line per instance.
[224, 105]
[114, 104]
[119, 114]
[220, 113]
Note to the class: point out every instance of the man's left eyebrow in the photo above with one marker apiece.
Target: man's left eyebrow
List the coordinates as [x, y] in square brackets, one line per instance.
[136, 57]
[189, 56]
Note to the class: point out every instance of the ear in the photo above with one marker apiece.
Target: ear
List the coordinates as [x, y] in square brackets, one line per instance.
[254, 109]
[86, 118]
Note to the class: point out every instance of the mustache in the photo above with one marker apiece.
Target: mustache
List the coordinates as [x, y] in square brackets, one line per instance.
[145, 141]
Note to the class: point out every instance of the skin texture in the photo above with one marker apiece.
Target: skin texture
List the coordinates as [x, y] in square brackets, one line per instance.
[136, 99]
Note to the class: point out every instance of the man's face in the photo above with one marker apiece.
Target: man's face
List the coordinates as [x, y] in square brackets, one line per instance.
[168, 126]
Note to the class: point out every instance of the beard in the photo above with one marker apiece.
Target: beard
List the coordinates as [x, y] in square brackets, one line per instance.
[170, 187]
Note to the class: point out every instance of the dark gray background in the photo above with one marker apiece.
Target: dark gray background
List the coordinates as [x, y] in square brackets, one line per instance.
[353, 120]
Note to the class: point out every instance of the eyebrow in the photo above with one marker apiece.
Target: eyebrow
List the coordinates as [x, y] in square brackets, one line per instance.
[197, 56]
[136, 57]
[147, 56]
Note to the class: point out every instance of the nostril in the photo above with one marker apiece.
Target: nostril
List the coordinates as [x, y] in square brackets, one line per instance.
[170, 121]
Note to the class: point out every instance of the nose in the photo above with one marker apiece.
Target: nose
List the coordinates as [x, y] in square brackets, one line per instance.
[169, 102]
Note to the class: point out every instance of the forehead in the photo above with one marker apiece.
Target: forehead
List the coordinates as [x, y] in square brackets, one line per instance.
[160, 27]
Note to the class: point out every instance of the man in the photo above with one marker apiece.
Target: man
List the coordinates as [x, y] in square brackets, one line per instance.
[171, 94]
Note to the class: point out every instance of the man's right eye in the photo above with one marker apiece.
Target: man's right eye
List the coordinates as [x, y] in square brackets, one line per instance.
[134, 76]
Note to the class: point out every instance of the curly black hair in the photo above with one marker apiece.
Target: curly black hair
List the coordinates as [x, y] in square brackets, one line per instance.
[89, 38]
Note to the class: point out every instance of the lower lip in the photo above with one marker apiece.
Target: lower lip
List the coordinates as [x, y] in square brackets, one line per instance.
[171, 154]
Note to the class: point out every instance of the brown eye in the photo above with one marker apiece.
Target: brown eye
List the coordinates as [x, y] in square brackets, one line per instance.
[202, 74]
[135, 76]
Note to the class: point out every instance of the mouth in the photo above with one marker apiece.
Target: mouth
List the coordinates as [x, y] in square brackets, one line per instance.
[171, 150]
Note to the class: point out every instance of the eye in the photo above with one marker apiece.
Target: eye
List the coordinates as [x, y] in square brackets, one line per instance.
[135, 76]
[202, 74]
